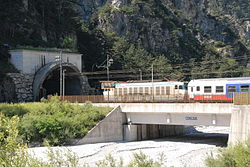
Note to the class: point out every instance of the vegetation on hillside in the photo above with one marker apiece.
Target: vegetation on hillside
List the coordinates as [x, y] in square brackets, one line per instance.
[137, 35]
[5, 65]
[43, 23]
[181, 56]
[54, 121]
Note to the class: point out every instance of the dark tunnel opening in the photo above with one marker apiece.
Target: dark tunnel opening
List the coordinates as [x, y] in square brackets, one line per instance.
[51, 85]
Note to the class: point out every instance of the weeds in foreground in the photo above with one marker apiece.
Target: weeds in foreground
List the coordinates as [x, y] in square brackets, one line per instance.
[233, 156]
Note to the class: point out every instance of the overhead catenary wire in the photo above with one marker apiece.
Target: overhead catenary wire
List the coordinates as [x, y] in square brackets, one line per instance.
[122, 73]
[169, 75]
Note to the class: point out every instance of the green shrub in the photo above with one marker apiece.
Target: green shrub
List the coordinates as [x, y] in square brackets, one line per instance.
[14, 152]
[237, 155]
[54, 121]
[10, 110]
[139, 160]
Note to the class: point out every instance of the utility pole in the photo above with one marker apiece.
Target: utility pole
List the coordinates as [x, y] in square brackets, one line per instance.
[61, 73]
[108, 67]
[63, 87]
[140, 74]
[153, 81]
[109, 62]
[59, 58]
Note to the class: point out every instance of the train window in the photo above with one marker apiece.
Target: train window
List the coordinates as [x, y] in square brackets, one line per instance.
[232, 88]
[135, 90]
[192, 89]
[219, 89]
[176, 87]
[130, 91]
[197, 88]
[157, 91]
[162, 90]
[146, 91]
[141, 90]
[115, 92]
[151, 90]
[120, 91]
[125, 91]
[207, 89]
[181, 87]
[167, 90]
[244, 88]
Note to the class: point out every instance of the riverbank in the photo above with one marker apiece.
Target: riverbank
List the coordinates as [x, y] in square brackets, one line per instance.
[184, 151]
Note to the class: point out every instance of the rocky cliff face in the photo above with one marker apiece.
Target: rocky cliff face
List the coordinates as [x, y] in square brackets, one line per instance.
[194, 31]
[154, 24]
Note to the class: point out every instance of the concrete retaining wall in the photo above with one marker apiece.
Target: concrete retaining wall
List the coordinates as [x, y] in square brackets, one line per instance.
[240, 124]
[109, 129]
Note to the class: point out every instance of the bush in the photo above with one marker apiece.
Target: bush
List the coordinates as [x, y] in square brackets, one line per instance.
[238, 155]
[11, 110]
[14, 152]
[54, 121]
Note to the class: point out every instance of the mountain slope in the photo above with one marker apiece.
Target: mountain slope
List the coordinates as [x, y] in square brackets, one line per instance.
[181, 31]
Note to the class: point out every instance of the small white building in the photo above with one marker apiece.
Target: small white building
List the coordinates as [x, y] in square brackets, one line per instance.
[30, 61]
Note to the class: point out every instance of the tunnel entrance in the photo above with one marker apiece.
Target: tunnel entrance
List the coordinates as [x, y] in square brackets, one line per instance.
[47, 81]
[51, 85]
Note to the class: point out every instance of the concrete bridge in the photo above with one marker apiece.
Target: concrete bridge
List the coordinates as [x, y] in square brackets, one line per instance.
[139, 121]
[209, 114]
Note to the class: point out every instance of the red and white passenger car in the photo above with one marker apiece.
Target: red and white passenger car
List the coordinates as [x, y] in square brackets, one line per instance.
[217, 89]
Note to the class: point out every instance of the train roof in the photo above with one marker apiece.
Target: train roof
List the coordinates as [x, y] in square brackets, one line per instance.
[146, 84]
[223, 79]
[219, 81]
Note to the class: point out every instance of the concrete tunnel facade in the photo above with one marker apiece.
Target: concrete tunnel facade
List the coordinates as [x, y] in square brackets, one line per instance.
[47, 80]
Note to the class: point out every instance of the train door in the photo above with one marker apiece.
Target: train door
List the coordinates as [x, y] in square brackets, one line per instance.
[191, 92]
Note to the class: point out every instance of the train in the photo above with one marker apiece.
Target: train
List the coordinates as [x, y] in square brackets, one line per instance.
[217, 89]
[213, 89]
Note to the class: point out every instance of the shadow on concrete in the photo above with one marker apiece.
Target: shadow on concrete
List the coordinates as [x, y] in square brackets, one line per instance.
[192, 135]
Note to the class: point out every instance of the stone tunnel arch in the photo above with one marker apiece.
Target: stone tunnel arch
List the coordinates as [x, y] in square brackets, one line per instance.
[47, 81]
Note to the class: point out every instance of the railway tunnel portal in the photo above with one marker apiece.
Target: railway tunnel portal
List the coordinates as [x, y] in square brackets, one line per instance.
[39, 74]
[47, 80]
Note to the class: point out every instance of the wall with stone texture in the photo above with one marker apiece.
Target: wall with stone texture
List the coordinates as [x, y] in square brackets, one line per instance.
[7, 90]
[23, 86]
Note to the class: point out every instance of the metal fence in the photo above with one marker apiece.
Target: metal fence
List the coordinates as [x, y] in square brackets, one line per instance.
[84, 98]
[242, 99]
[137, 99]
